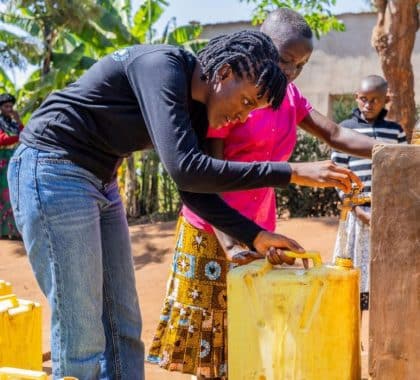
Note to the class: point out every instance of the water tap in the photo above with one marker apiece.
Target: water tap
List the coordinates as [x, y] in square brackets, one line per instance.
[354, 198]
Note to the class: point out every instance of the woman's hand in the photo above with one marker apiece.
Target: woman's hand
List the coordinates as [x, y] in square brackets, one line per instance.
[324, 174]
[272, 245]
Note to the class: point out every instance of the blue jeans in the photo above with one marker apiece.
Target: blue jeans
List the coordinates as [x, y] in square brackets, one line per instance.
[76, 235]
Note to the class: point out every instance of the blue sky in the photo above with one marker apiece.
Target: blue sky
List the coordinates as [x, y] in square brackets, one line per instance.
[210, 12]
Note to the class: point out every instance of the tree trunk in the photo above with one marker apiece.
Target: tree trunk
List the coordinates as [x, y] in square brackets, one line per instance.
[154, 184]
[144, 189]
[165, 193]
[131, 188]
[393, 38]
[48, 43]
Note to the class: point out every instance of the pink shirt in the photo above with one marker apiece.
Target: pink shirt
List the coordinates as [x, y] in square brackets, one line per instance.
[267, 135]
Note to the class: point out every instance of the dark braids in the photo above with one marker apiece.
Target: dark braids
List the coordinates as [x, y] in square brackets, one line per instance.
[250, 54]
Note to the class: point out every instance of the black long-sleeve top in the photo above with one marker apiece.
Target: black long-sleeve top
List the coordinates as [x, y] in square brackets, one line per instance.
[138, 98]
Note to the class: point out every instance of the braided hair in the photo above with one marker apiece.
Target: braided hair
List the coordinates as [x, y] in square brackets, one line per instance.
[251, 54]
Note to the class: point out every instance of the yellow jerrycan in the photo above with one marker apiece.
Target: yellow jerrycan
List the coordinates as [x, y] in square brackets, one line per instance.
[5, 288]
[20, 333]
[294, 323]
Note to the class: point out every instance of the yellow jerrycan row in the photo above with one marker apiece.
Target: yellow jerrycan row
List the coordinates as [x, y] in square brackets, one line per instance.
[20, 333]
[292, 323]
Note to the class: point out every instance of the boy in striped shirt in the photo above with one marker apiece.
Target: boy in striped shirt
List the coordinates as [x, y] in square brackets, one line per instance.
[369, 119]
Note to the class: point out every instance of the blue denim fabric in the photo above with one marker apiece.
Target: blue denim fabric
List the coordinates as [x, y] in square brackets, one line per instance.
[76, 235]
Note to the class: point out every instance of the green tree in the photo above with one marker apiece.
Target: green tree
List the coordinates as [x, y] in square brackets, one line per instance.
[63, 38]
[6, 84]
[316, 12]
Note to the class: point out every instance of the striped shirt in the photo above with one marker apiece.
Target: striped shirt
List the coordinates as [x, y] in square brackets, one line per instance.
[381, 130]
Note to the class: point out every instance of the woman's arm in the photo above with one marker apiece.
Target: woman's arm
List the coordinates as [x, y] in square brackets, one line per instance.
[216, 148]
[339, 138]
[161, 85]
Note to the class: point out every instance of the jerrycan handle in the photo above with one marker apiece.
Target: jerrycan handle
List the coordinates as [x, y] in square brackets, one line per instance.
[311, 255]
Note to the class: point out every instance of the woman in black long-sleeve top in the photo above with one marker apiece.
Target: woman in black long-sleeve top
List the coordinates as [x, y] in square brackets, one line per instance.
[65, 197]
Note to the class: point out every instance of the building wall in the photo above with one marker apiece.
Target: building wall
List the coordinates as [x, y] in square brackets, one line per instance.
[339, 60]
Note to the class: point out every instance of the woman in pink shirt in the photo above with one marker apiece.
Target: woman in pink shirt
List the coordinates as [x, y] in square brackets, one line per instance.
[191, 335]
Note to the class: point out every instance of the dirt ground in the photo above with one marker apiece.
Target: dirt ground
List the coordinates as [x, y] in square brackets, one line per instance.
[152, 251]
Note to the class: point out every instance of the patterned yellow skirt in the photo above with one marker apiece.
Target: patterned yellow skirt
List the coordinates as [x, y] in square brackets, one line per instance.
[191, 335]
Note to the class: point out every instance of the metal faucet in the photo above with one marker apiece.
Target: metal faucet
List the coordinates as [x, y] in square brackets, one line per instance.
[354, 198]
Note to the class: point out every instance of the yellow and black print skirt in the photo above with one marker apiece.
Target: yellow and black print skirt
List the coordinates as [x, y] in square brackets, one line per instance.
[191, 335]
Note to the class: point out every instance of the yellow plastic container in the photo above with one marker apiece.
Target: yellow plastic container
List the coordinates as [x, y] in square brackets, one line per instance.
[292, 323]
[5, 288]
[7, 373]
[20, 333]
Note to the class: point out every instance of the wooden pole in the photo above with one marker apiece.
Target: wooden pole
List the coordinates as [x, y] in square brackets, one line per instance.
[394, 332]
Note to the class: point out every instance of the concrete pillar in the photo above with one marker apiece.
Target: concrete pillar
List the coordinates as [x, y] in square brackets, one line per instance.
[394, 333]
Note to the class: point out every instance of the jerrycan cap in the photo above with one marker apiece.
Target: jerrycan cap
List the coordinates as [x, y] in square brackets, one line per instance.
[343, 262]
